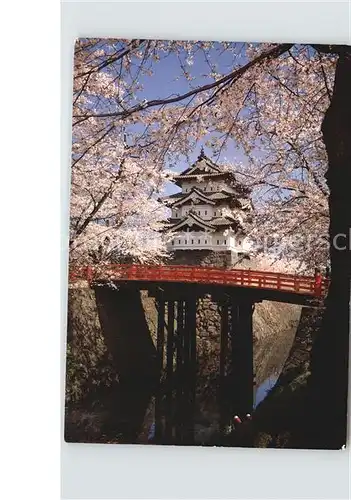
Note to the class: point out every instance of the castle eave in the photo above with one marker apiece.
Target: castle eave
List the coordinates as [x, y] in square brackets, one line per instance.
[195, 194]
[190, 221]
[179, 179]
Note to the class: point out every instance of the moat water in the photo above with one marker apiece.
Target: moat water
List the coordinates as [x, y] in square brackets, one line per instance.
[260, 394]
[263, 390]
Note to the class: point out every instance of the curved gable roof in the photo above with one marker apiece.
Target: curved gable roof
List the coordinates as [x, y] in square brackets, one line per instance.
[193, 195]
[203, 165]
[190, 220]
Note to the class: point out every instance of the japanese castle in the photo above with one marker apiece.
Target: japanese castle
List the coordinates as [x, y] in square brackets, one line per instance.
[210, 211]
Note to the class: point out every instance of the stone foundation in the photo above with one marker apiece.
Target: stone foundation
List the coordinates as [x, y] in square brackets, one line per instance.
[206, 258]
[208, 327]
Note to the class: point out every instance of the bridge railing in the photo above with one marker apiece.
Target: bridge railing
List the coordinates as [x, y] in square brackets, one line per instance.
[309, 285]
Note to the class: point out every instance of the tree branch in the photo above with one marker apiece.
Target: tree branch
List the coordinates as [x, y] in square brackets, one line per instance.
[231, 77]
[133, 45]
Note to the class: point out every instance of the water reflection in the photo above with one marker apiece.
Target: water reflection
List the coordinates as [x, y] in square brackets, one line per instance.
[263, 389]
[151, 434]
[204, 431]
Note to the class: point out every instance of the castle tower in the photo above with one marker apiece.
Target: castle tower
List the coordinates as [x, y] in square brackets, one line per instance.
[208, 214]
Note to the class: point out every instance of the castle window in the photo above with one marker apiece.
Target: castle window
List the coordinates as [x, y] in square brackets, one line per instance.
[176, 214]
[199, 212]
[205, 212]
[205, 242]
[215, 213]
[179, 242]
[173, 242]
[217, 242]
[185, 242]
[225, 242]
[192, 242]
[199, 241]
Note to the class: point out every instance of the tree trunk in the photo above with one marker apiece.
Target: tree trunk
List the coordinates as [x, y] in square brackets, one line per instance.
[329, 379]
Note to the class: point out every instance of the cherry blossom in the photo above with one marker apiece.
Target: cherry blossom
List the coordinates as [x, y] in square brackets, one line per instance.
[268, 101]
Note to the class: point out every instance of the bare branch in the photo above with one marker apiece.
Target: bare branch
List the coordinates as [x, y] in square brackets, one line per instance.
[233, 76]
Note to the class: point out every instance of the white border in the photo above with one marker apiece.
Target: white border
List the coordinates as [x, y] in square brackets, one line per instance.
[110, 471]
[30, 250]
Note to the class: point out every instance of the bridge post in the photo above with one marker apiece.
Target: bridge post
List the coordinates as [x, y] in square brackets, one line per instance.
[127, 337]
[160, 348]
[223, 396]
[182, 344]
[317, 283]
[242, 370]
[180, 379]
[169, 371]
[189, 368]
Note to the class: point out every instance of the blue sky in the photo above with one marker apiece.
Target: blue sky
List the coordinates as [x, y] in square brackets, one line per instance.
[164, 83]
[168, 80]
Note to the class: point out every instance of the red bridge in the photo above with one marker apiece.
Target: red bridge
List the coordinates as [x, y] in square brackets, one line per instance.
[314, 286]
[176, 290]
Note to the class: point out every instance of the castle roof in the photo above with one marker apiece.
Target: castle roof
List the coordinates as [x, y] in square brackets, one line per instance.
[211, 198]
[223, 221]
[191, 220]
[179, 179]
[203, 167]
[194, 195]
[220, 195]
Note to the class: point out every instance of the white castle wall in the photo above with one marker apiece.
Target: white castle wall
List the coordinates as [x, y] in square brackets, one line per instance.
[206, 212]
[216, 241]
[202, 240]
[207, 187]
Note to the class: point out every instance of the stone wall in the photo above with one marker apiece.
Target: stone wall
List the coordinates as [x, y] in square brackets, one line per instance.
[111, 367]
[205, 258]
[89, 364]
[208, 327]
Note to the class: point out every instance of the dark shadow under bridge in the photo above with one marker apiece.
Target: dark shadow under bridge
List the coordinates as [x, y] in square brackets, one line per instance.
[177, 290]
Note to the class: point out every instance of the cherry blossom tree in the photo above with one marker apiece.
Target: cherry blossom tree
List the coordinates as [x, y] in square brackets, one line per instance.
[270, 104]
[285, 107]
[114, 212]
